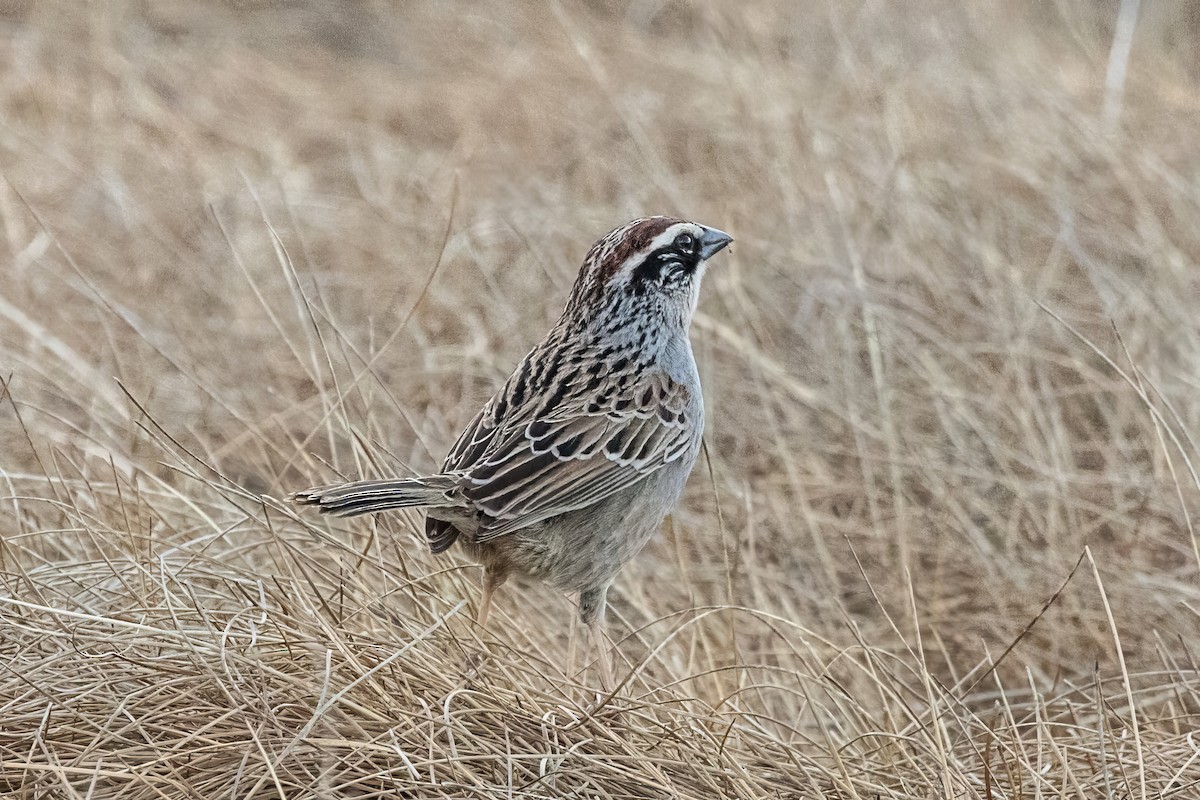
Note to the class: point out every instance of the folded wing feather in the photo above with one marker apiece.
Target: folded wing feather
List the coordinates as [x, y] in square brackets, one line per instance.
[588, 448]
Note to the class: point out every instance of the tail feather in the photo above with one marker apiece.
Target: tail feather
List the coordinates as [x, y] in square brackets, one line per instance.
[365, 497]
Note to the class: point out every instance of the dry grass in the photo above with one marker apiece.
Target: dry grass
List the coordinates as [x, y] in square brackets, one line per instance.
[951, 364]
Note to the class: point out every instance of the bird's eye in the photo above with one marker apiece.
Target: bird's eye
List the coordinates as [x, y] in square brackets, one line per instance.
[685, 242]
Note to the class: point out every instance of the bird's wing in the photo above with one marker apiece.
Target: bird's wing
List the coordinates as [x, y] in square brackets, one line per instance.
[598, 439]
[512, 406]
[473, 441]
[514, 403]
[470, 445]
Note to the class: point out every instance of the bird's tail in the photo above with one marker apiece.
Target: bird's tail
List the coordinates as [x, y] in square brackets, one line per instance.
[365, 497]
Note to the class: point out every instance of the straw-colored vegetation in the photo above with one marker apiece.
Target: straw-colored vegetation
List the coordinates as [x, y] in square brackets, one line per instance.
[943, 543]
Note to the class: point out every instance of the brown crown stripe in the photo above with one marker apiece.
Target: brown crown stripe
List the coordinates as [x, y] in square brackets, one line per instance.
[634, 237]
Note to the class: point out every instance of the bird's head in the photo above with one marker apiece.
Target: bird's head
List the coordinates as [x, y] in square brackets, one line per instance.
[649, 268]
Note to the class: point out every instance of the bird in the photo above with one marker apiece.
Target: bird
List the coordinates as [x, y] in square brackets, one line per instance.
[570, 468]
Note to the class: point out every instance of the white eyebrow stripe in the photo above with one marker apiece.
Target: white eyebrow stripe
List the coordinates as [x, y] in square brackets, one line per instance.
[668, 236]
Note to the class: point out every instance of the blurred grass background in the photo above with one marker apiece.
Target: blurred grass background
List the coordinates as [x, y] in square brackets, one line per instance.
[249, 246]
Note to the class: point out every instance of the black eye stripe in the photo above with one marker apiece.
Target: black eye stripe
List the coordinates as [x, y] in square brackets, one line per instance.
[660, 263]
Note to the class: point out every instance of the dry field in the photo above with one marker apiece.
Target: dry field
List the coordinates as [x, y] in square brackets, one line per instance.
[943, 544]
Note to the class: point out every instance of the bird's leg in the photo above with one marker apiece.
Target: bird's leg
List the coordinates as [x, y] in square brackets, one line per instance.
[493, 579]
[592, 603]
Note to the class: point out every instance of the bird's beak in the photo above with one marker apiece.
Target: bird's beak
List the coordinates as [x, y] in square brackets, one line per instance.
[712, 242]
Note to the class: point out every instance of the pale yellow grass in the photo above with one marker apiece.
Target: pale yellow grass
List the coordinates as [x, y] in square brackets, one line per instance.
[942, 545]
